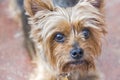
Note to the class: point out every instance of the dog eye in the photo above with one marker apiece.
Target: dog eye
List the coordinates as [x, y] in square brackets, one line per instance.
[86, 33]
[59, 37]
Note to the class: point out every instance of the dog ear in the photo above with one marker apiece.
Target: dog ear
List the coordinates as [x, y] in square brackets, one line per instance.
[97, 3]
[33, 6]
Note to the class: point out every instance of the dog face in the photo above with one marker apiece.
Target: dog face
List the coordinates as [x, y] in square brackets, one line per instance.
[69, 39]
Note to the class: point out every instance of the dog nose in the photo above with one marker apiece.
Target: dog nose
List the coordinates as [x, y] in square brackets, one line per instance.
[76, 53]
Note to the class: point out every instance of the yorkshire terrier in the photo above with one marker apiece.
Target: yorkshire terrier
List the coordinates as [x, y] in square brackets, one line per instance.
[67, 38]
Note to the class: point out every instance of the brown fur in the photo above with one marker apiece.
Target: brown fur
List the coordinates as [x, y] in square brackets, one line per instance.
[53, 58]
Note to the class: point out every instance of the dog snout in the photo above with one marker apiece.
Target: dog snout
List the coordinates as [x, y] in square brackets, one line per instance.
[77, 53]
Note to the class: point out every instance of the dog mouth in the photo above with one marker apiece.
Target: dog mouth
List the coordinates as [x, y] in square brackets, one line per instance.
[75, 62]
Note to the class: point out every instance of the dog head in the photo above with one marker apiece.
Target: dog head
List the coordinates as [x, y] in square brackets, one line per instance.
[68, 39]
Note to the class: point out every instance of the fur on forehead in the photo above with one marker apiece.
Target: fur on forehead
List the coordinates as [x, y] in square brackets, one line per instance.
[47, 20]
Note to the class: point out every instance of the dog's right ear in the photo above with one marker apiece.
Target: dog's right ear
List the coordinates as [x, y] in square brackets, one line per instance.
[33, 6]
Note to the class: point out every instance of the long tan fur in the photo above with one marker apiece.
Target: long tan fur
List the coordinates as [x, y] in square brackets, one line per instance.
[52, 58]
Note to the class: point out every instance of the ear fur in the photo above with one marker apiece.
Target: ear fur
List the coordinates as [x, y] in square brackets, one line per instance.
[97, 3]
[33, 6]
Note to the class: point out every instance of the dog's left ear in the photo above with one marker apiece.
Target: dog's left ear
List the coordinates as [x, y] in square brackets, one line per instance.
[97, 3]
[33, 6]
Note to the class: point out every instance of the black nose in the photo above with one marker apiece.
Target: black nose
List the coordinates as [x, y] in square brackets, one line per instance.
[76, 53]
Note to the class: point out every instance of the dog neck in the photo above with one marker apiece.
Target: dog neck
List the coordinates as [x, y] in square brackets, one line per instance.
[63, 76]
[65, 3]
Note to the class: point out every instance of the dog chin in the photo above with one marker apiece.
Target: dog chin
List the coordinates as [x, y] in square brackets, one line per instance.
[73, 65]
